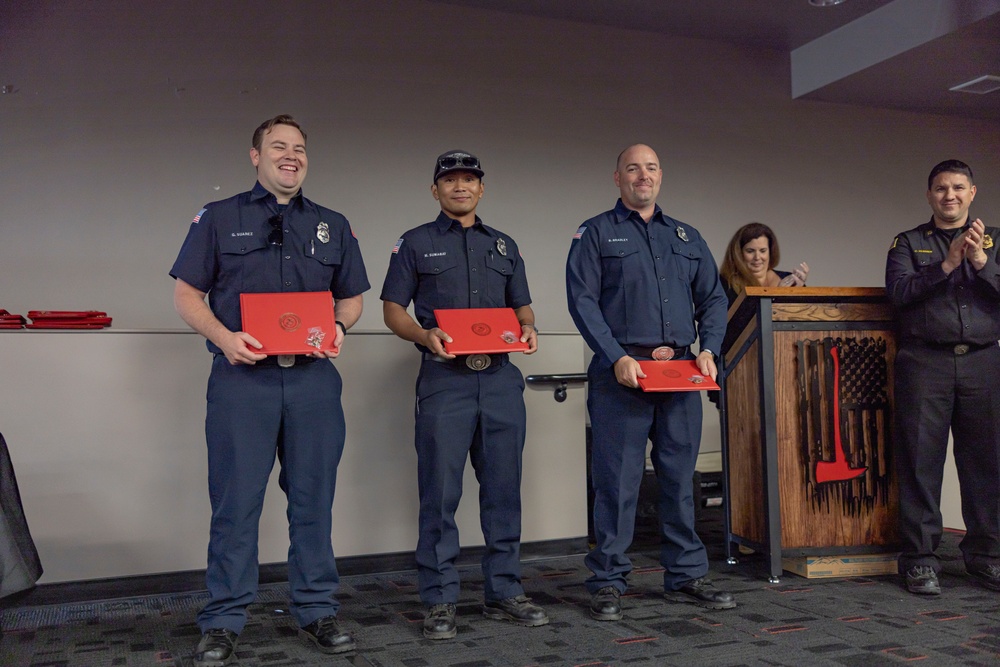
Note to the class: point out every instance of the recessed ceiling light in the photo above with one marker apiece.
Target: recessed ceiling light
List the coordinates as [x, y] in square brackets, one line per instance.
[979, 86]
[825, 3]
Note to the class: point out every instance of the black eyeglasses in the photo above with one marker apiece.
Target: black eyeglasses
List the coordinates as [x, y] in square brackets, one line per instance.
[277, 235]
[457, 161]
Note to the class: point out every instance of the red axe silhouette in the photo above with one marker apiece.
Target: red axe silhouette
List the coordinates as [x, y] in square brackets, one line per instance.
[838, 469]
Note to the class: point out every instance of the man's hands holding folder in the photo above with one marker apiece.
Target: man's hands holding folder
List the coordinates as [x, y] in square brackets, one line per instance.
[241, 348]
[434, 340]
[627, 369]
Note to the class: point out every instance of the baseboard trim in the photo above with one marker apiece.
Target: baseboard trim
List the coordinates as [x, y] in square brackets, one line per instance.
[193, 581]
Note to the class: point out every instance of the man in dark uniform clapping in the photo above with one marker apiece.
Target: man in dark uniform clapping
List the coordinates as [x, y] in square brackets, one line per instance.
[944, 280]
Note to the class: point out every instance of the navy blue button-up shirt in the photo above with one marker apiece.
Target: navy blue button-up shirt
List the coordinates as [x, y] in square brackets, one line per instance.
[441, 264]
[934, 307]
[629, 282]
[226, 253]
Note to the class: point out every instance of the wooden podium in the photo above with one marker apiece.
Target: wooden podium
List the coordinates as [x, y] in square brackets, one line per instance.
[806, 423]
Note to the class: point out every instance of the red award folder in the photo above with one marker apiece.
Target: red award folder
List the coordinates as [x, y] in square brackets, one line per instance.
[480, 330]
[681, 375]
[289, 322]
[65, 314]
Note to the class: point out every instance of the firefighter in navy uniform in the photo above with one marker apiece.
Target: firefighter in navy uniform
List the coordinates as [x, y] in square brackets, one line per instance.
[944, 281]
[271, 239]
[471, 406]
[642, 285]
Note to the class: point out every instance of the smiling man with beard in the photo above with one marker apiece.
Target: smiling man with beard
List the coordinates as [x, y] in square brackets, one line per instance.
[642, 285]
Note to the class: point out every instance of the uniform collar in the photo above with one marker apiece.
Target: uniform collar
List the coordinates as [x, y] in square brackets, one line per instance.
[259, 192]
[930, 227]
[623, 212]
[444, 222]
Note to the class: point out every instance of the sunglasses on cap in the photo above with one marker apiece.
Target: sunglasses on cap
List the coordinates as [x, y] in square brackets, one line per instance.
[458, 161]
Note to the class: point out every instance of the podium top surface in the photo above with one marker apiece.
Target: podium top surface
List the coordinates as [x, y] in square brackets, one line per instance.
[809, 304]
[807, 294]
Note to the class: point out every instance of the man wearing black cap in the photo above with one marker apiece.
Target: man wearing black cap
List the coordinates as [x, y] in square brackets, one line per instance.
[463, 408]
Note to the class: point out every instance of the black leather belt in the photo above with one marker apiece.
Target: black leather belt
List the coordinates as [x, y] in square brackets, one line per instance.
[960, 348]
[474, 362]
[661, 353]
[286, 360]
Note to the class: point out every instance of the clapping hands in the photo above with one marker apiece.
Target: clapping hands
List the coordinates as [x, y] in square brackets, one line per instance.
[797, 278]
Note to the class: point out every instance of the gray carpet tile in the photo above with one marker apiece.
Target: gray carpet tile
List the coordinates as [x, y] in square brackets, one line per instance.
[864, 622]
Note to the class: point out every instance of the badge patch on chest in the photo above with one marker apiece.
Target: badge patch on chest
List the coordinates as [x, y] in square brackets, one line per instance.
[323, 232]
[987, 241]
[502, 247]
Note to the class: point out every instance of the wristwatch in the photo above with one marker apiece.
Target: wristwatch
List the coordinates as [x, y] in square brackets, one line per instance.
[341, 325]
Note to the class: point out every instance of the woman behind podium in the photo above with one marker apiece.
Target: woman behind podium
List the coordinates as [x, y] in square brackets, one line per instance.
[750, 259]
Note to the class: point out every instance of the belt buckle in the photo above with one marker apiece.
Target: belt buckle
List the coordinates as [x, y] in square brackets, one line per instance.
[478, 362]
[286, 360]
[961, 348]
[663, 353]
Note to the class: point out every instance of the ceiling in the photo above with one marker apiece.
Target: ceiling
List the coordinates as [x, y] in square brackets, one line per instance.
[933, 45]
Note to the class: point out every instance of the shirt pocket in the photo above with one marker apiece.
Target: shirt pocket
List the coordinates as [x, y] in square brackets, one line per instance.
[686, 261]
[320, 265]
[924, 258]
[439, 282]
[243, 262]
[498, 273]
[616, 259]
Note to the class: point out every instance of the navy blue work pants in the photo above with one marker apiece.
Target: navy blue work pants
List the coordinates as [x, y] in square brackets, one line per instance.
[622, 421]
[937, 391]
[255, 414]
[461, 413]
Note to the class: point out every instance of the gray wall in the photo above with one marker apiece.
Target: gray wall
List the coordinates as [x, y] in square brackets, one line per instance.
[129, 116]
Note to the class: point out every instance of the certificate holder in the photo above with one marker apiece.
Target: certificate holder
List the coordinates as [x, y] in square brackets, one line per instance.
[677, 375]
[481, 330]
[290, 322]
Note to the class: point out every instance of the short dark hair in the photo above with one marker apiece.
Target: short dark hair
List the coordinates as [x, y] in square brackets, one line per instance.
[952, 167]
[265, 127]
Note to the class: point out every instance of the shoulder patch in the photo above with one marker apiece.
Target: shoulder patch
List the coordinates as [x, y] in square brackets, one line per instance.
[894, 242]
[197, 217]
[395, 248]
[579, 232]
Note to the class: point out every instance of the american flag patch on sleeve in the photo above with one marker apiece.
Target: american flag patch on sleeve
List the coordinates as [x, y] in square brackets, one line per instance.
[197, 218]
[395, 248]
[579, 232]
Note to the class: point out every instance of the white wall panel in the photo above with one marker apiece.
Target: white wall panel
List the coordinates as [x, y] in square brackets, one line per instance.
[106, 433]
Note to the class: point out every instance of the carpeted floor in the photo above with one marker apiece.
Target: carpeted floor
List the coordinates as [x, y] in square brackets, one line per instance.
[863, 622]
